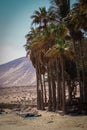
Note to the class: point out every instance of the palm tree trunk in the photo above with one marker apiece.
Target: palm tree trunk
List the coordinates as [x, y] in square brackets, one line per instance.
[49, 89]
[69, 90]
[78, 77]
[38, 92]
[68, 3]
[42, 100]
[58, 86]
[83, 73]
[63, 87]
[53, 87]
[54, 95]
[45, 93]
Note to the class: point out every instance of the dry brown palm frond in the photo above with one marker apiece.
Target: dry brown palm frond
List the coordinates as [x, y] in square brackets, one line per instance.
[68, 38]
[69, 54]
[83, 8]
[51, 53]
[43, 69]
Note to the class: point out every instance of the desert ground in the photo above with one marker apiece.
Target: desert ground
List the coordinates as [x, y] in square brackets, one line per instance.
[47, 121]
[18, 94]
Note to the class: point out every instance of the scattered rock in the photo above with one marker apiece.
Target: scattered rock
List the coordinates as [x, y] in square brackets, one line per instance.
[50, 121]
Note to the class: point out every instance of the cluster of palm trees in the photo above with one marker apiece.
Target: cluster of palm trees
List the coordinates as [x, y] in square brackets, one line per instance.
[56, 46]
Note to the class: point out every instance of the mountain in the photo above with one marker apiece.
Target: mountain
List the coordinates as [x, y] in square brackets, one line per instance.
[19, 72]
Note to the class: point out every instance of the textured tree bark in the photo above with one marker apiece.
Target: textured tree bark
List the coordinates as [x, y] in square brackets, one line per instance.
[45, 93]
[58, 86]
[49, 89]
[63, 88]
[54, 95]
[38, 92]
[53, 87]
[69, 90]
[78, 77]
[42, 100]
[83, 72]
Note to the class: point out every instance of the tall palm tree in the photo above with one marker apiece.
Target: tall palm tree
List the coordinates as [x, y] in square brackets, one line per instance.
[60, 51]
[31, 48]
[42, 17]
[49, 50]
[76, 23]
[60, 7]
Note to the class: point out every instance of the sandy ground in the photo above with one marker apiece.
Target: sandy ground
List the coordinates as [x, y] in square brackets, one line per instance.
[48, 121]
[24, 94]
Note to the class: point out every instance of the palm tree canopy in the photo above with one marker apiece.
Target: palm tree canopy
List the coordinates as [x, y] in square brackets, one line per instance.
[42, 17]
[60, 7]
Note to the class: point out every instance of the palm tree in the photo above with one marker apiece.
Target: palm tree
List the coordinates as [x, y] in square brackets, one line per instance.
[76, 23]
[42, 17]
[49, 50]
[60, 7]
[31, 49]
[60, 51]
[41, 45]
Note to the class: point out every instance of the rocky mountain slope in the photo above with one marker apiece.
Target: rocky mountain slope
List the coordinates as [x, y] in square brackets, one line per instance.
[19, 72]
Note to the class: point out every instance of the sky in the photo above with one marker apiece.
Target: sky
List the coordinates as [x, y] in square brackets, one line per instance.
[15, 23]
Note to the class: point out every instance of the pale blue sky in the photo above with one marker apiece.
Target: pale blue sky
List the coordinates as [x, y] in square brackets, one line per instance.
[14, 25]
